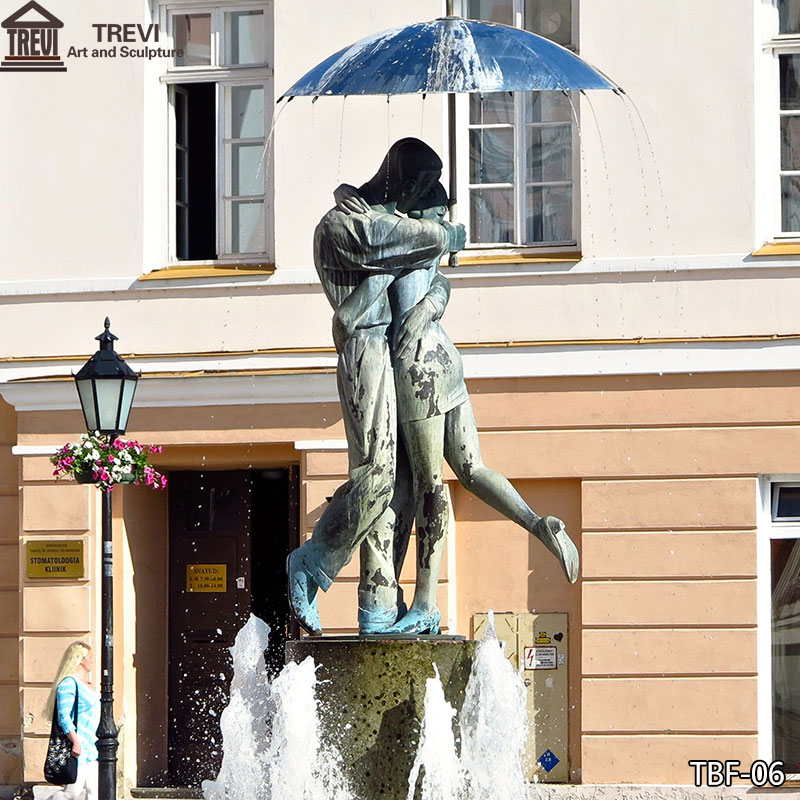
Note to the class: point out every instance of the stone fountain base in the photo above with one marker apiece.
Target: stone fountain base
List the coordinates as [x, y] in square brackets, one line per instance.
[371, 691]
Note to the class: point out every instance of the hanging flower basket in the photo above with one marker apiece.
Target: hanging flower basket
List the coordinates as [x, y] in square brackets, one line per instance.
[87, 476]
[105, 462]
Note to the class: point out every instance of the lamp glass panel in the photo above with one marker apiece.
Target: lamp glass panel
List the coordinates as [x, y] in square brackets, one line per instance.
[128, 390]
[87, 403]
[108, 402]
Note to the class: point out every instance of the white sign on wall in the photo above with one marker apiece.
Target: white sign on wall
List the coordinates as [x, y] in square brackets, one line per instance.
[540, 658]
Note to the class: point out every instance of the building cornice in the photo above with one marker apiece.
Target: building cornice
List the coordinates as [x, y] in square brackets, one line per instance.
[505, 269]
[308, 376]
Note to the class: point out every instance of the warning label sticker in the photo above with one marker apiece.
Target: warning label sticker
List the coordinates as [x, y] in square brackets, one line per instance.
[540, 658]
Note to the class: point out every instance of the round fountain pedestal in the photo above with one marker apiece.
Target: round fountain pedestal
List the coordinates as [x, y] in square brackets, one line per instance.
[371, 692]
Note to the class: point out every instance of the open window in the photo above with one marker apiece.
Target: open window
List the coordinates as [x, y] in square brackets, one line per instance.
[220, 94]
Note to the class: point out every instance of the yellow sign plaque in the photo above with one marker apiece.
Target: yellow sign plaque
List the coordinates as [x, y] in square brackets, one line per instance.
[206, 577]
[54, 558]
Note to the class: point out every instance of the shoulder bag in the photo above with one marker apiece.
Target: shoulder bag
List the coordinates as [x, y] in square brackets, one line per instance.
[60, 766]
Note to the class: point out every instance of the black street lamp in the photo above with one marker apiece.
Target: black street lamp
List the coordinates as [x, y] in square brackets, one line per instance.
[106, 385]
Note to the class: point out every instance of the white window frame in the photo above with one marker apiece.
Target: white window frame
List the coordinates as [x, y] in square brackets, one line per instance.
[463, 128]
[223, 76]
[767, 530]
[768, 142]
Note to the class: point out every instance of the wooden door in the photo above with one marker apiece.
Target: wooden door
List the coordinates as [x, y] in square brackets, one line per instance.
[209, 601]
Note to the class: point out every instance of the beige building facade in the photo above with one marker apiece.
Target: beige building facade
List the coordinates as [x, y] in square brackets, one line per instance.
[625, 311]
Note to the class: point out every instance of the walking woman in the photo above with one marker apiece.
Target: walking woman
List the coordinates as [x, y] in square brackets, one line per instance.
[73, 678]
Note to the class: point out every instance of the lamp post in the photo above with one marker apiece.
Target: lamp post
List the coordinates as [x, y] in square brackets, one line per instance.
[106, 385]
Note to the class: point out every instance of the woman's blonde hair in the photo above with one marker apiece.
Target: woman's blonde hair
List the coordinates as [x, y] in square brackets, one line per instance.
[72, 657]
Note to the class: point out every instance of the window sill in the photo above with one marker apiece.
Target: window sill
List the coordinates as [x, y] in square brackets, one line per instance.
[468, 258]
[778, 249]
[182, 271]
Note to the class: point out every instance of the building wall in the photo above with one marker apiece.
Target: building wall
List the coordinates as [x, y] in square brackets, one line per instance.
[54, 611]
[668, 193]
[10, 723]
[655, 477]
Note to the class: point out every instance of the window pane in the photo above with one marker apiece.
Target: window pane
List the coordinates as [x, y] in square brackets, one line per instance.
[786, 651]
[491, 155]
[246, 173]
[790, 204]
[550, 18]
[547, 107]
[196, 169]
[549, 156]
[246, 112]
[789, 12]
[244, 37]
[192, 35]
[245, 227]
[492, 10]
[492, 215]
[549, 214]
[182, 232]
[788, 501]
[491, 108]
[181, 193]
[790, 143]
[789, 66]
[181, 133]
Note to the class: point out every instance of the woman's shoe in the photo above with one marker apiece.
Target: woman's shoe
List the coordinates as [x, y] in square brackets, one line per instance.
[552, 533]
[375, 621]
[418, 622]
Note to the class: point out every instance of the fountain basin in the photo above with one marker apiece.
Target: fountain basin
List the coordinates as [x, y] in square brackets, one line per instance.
[371, 692]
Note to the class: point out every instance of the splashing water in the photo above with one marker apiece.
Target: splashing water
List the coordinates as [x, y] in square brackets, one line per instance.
[436, 758]
[494, 724]
[244, 721]
[271, 741]
[300, 765]
[494, 729]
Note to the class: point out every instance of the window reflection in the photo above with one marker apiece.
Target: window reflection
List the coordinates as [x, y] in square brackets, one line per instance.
[192, 36]
[786, 651]
[789, 16]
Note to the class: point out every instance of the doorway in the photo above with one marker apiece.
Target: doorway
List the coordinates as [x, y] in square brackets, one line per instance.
[229, 535]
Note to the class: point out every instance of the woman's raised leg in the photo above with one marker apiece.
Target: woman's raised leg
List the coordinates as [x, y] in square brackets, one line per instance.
[463, 454]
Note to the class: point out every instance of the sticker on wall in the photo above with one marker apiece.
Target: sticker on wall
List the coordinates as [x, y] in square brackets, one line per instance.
[548, 760]
[540, 658]
[542, 638]
[206, 577]
[558, 636]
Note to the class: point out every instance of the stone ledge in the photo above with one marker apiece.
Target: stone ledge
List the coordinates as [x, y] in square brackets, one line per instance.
[658, 792]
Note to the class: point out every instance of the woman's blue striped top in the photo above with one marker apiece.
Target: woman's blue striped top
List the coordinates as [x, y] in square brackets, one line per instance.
[88, 715]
